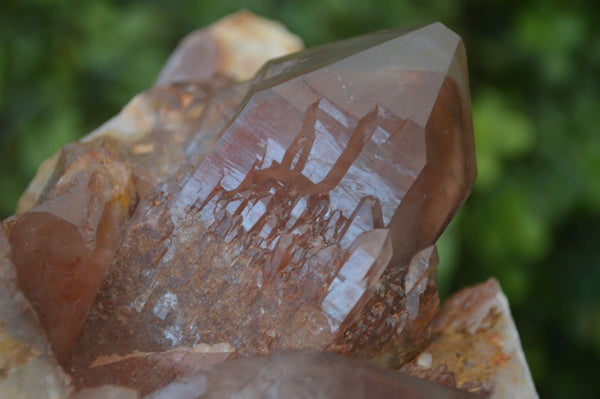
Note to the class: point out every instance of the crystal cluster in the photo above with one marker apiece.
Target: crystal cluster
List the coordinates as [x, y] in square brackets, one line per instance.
[218, 217]
[299, 225]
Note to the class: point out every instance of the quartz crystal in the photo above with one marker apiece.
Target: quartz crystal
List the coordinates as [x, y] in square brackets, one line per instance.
[304, 375]
[63, 246]
[309, 222]
[65, 242]
[27, 366]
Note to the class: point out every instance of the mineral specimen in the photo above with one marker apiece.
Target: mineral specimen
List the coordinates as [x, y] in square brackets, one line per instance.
[214, 218]
[27, 366]
[297, 228]
[476, 346]
[304, 375]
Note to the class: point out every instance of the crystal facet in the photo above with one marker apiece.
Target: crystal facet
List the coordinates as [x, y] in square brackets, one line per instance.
[27, 366]
[63, 246]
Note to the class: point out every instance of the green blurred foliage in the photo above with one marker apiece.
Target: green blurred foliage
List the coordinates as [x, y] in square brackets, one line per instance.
[533, 220]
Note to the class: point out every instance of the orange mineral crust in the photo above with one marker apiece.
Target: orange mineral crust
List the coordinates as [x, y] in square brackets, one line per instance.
[476, 346]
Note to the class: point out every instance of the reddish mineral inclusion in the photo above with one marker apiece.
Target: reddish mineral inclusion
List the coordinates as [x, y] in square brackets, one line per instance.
[297, 228]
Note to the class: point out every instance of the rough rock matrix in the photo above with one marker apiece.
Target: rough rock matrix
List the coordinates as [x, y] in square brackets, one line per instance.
[476, 346]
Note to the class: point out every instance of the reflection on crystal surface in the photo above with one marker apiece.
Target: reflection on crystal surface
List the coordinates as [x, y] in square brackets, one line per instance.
[366, 261]
[305, 213]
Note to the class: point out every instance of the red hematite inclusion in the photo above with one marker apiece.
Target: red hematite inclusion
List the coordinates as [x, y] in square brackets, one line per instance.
[297, 228]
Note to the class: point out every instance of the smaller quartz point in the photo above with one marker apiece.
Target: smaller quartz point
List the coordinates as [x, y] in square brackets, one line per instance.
[146, 372]
[390, 313]
[63, 246]
[304, 375]
[28, 369]
[476, 346]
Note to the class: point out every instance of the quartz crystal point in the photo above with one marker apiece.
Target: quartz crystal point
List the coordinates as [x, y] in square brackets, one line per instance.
[304, 375]
[476, 346]
[63, 246]
[309, 222]
[27, 367]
